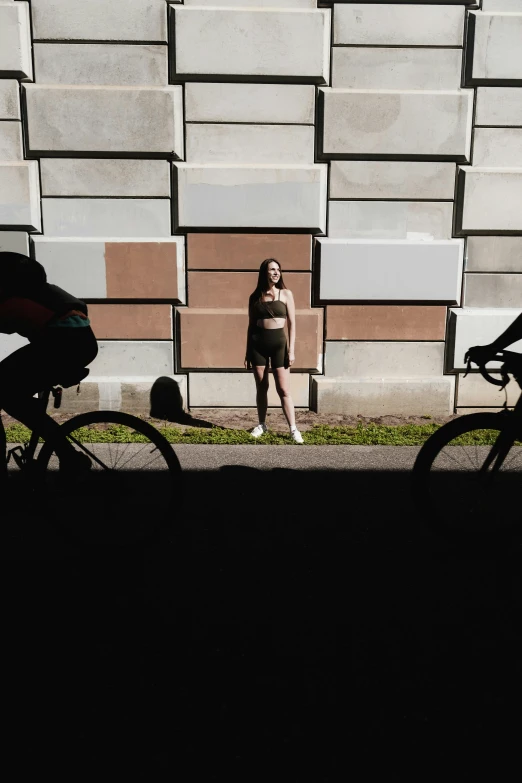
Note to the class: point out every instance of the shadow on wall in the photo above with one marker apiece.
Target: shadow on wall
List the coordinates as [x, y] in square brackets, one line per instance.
[166, 403]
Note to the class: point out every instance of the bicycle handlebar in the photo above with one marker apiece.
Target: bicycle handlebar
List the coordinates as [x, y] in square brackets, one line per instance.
[502, 356]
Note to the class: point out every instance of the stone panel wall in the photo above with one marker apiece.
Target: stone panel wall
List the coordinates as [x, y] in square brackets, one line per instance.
[153, 153]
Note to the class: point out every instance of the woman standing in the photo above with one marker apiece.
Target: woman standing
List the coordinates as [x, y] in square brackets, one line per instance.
[269, 308]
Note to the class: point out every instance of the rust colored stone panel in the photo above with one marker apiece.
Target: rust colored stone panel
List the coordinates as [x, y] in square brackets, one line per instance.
[216, 339]
[247, 251]
[141, 270]
[385, 322]
[131, 322]
[232, 289]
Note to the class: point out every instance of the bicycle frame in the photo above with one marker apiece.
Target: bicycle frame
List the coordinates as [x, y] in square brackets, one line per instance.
[24, 454]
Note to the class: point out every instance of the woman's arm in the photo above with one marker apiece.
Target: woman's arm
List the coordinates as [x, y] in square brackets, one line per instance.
[290, 309]
[251, 324]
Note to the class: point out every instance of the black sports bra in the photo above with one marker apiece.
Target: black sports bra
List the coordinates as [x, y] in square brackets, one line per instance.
[276, 309]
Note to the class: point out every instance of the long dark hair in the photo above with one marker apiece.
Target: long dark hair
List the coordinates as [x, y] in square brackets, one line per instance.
[263, 283]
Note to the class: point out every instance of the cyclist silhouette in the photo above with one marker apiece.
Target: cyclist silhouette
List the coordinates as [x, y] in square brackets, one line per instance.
[482, 354]
[61, 343]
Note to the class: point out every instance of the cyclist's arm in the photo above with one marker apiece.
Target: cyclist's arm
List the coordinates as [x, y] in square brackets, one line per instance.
[511, 335]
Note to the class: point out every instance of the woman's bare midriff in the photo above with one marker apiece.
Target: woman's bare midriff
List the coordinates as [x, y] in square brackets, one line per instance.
[271, 323]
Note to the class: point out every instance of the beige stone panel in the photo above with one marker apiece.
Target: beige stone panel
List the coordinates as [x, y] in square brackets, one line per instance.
[384, 396]
[9, 100]
[215, 339]
[385, 322]
[247, 251]
[232, 289]
[142, 270]
[474, 392]
[131, 322]
[11, 147]
[494, 254]
[237, 390]
[382, 179]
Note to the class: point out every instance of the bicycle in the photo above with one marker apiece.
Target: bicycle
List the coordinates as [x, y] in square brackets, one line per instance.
[466, 478]
[130, 490]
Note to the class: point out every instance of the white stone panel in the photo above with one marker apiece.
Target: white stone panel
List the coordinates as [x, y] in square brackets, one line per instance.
[128, 357]
[10, 343]
[495, 46]
[105, 119]
[497, 147]
[9, 100]
[15, 40]
[396, 68]
[474, 392]
[261, 196]
[237, 390]
[11, 145]
[405, 24]
[92, 217]
[383, 359]
[254, 3]
[406, 124]
[14, 242]
[20, 196]
[382, 179]
[260, 43]
[255, 103]
[390, 219]
[391, 396]
[493, 290]
[99, 20]
[502, 5]
[492, 200]
[478, 326]
[499, 106]
[217, 143]
[102, 64]
[76, 265]
[105, 177]
[494, 254]
[355, 270]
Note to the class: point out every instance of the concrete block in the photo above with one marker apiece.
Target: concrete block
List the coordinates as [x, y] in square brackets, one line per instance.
[247, 251]
[216, 338]
[231, 290]
[494, 254]
[237, 390]
[9, 343]
[393, 123]
[362, 24]
[98, 217]
[131, 322]
[133, 65]
[474, 392]
[14, 242]
[495, 290]
[255, 103]
[11, 145]
[257, 196]
[99, 20]
[390, 270]
[477, 326]
[502, 5]
[105, 177]
[20, 196]
[15, 41]
[129, 357]
[383, 359]
[383, 179]
[499, 106]
[390, 219]
[9, 100]
[260, 43]
[378, 397]
[497, 147]
[129, 394]
[396, 68]
[253, 3]
[220, 143]
[493, 48]
[385, 322]
[491, 200]
[115, 268]
[104, 119]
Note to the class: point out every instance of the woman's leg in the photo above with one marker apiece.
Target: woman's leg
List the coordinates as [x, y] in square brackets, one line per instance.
[261, 378]
[282, 382]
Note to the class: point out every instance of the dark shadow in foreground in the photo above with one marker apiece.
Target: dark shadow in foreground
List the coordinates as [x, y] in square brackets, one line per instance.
[166, 403]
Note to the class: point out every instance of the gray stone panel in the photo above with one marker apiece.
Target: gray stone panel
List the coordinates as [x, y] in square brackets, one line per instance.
[133, 358]
[14, 242]
[474, 392]
[9, 100]
[494, 254]
[132, 65]
[15, 41]
[105, 177]
[91, 217]
[406, 24]
[20, 196]
[11, 145]
[494, 45]
[105, 119]
[497, 147]
[396, 68]
[502, 5]
[254, 103]
[393, 396]
[491, 201]
[401, 124]
[499, 106]
[383, 359]
[99, 20]
[357, 179]
[239, 143]
[390, 219]
[478, 326]
[237, 390]
[78, 268]
[495, 290]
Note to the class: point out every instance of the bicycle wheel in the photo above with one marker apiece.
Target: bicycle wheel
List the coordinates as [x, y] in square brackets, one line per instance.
[131, 489]
[467, 478]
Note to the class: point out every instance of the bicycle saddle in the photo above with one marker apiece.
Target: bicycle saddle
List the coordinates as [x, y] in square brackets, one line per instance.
[74, 378]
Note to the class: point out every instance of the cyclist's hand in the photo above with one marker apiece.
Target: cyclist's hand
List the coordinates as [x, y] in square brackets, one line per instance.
[480, 354]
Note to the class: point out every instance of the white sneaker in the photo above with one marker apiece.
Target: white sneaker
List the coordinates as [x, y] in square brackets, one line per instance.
[259, 430]
[296, 435]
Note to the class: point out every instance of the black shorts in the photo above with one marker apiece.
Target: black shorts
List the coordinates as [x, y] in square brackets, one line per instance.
[268, 344]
